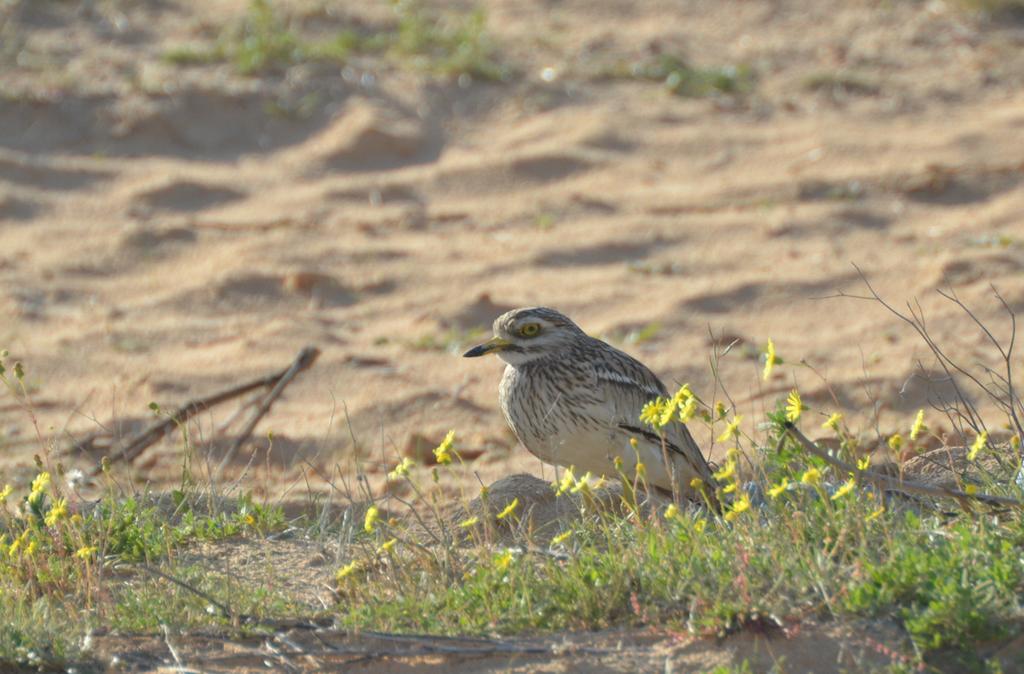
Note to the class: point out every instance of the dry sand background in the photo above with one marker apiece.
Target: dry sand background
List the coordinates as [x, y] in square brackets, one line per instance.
[166, 231]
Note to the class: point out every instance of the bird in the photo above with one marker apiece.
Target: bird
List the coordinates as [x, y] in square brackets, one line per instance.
[575, 401]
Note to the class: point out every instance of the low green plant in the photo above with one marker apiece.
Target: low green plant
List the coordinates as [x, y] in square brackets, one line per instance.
[994, 7]
[61, 559]
[262, 40]
[453, 340]
[798, 539]
[446, 44]
[151, 601]
[838, 83]
[684, 79]
[792, 538]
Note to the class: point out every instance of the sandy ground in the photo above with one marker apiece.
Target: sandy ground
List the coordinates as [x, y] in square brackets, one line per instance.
[167, 231]
[810, 648]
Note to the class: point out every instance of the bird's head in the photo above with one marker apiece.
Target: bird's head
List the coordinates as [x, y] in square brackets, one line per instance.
[523, 335]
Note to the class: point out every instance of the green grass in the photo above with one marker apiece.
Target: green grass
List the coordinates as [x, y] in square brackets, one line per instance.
[951, 585]
[263, 41]
[453, 341]
[635, 335]
[842, 83]
[684, 79]
[952, 582]
[444, 44]
[63, 572]
[146, 603]
[994, 7]
[812, 551]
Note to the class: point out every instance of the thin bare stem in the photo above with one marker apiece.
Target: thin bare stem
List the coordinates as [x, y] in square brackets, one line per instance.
[896, 484]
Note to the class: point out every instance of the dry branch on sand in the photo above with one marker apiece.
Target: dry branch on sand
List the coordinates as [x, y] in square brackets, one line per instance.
[277, 382]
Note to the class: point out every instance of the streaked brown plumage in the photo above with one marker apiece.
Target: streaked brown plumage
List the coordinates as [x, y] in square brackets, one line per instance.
[575, 401]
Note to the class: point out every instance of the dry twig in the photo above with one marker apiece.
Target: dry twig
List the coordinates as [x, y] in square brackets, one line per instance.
[897, 484]
[305, 358]
[151, 435]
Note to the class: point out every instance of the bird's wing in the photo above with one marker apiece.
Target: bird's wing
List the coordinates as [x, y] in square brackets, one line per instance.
[628, 385]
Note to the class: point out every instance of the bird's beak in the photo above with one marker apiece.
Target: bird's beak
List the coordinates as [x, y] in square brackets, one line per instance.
[494, 344]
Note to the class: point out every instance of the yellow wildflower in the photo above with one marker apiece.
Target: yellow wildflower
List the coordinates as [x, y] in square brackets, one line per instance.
[668, 409]
[443, 452]
[697, 483]
[727, 471]
[778, 489]
[39, 485]
[582, 484]
[845, 489]
[970, 489]
[5, 492]
[811, 476]
[699, 525]
[895, 442]
[567, 481]
[794, 406]
[561, 538]
[978, 445]
[31, 548]
[86, 551]
[729, 488]
[739, 507]
[1014, 444]
[641, 470]
[502, 561]
[833, 422]
[17, 543]
[875, 515]
[732, 429]
[651, 412]
[918, 426]
[58, 511]
[402, 469]
[467, 523]
[509, 509]
[370, 521]
[688, 409]
[770, 359]
[346, 571]
[41, 482]
[671, 512]
[386, 546]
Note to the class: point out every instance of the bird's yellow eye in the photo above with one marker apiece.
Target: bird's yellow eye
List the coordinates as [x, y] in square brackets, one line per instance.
[529, 330]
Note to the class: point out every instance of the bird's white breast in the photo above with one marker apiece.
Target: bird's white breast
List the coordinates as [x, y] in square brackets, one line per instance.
[587, 445]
